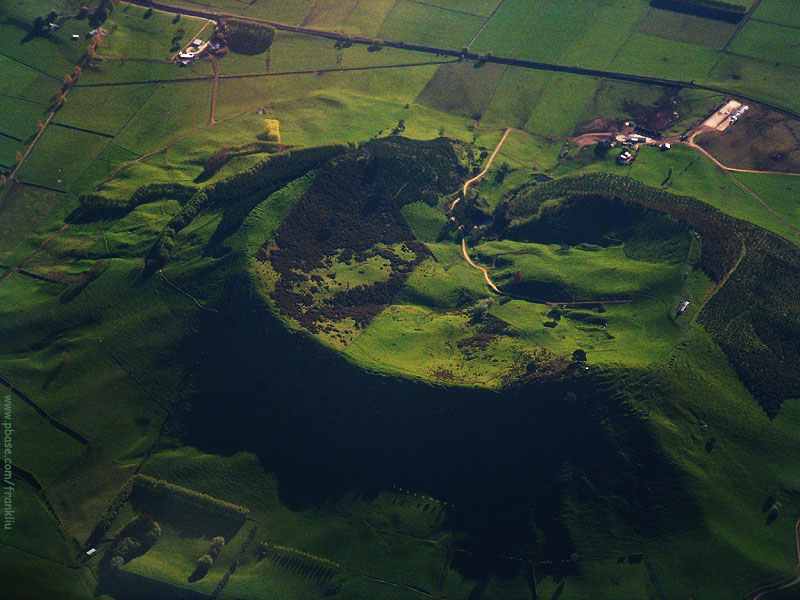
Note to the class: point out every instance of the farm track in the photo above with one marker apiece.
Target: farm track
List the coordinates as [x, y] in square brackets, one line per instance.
[745, 187]
[515, 62]
[165, 148]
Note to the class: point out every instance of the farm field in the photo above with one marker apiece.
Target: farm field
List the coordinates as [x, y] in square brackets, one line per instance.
[316, 317]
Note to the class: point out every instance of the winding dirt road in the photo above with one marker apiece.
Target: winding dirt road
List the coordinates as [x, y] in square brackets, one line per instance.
[768, 588]
[464, 190]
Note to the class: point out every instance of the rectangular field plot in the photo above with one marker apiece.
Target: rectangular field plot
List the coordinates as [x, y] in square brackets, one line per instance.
[511, 22]
[769, 42]
[18, 118]
[349, 16]
[173, 110]
[54, 54]
[60, 157]
[282, 11]
[783, 12]
[682, 27]
[516, 96]
[604, 36]
[559, 25]
[461, 89]
[105, 110]
[420, 24]
[657, 57]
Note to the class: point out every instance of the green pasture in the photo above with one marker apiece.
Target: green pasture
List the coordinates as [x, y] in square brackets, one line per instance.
[23, 207]
[780, 192]
[421, 24]
[25, 83]
[172, 110]
[20, 118]
[351, 535]
[770, 82]
[106, 110]
[34, 531]
[778, 11]
[137, 33]
[515, 97]
[605, 36]
[40, 448]
[691, 29]
[769, 42]
[54, 54]
[564, 96]
[461, 88]
[507, 27]
[273, 10]
[29, 577]
[657, 57]
[62, 156]
[348, 16]
[558, 25]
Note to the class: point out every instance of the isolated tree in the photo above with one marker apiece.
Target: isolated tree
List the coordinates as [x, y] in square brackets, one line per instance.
[38, 24]
[18, 156]
[52, 16]
[579, 355]
[205, 562]
[78, 71]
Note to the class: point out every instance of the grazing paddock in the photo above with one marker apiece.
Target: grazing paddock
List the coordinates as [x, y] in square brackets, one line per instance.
[783, 12]
[691, 29]
[60, 157]
[657, 57]
[420, 24]
[769, 42]
[461, 89]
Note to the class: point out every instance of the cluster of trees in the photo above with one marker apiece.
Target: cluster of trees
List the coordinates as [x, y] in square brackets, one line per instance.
[251, 535]
[143, 484]
[136, 538]
[754, 318]
[246, 37]
[355, 204]
[205, 562]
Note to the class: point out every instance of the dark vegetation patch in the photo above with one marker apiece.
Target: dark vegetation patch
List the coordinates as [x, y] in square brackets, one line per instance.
[459, 89]
[246, 37]
[237, 195]
[753, 316]
[367, 433]
[762, 140]
[658, 116]
[710, 9]
[355, 204]
[687, 27]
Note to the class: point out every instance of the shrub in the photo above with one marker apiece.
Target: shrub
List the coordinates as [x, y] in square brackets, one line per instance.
[205, 562]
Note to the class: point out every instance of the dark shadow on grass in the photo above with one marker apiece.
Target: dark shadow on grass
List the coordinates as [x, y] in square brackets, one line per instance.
[502, 462]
